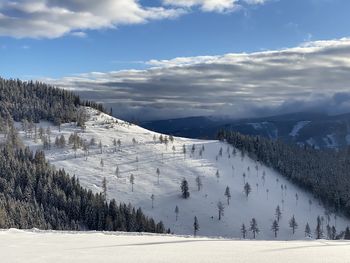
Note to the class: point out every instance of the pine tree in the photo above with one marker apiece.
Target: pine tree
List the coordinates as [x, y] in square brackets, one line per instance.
[102, 163]
[278, 213]
[293, 224]
[195, 226]
[334, 233]
[318, 230]
[275, 227]
[221, 209]
[347, 233]
[193, 149]
[329, 232]
[184, 189]
[104, 188]
[217, 174]
[307, 230]
[243, 231]
[254, 227]
[228, 195]
[176, 213]
[247, 190]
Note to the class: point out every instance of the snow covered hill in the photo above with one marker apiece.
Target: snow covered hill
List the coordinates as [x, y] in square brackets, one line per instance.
[85, 247]
[141, 154]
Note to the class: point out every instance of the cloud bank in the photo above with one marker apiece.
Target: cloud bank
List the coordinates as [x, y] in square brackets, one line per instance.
[314, 76]
[56, 18]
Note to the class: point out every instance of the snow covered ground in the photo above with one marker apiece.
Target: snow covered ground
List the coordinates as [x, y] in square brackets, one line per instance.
[85, 247]
[144, 156]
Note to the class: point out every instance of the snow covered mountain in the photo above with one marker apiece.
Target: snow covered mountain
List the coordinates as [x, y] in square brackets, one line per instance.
[314, 129]
[158, 168]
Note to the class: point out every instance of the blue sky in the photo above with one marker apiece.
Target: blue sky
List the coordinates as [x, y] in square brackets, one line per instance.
[274, 24]
[156, 59]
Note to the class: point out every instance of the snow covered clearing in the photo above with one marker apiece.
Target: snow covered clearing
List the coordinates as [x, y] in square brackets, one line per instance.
[85, 247]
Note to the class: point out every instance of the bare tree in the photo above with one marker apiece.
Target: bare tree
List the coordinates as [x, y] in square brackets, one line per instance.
[199, 182]
[195, 226]
[228, 195]
[100, 146]
[102, 164]
[115, 145]
[117, 171]
[158, 173]
[221, 209]
[152, 198]
[176, 212]
[132, 182]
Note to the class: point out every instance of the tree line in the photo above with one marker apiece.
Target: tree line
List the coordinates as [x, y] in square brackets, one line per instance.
[322, 172]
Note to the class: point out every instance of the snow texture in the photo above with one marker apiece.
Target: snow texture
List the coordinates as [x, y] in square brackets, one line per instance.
[92, 247]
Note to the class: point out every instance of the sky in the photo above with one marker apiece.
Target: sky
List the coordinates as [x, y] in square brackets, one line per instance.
[158, 59]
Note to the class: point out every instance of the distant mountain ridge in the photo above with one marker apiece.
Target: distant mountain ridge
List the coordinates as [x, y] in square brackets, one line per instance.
[304, 128]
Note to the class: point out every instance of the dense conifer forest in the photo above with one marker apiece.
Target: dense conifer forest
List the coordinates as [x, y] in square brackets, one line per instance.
[32, 194]
[36, 101]
[324, 173]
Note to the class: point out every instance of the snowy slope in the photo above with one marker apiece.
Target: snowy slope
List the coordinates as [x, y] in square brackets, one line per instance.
[300, 125]
[86, 247]
[142, 160]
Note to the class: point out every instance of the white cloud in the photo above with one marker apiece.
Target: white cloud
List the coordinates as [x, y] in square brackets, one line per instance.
[55, 18]
[311, 76]
[255, 2]
[206, 5]
[220, 6]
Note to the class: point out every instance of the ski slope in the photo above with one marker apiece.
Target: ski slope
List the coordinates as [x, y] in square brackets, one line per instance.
[86, 247]
[143, 158]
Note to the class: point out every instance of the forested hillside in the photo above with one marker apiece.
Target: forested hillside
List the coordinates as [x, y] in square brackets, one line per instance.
[324, 173]
[35, 101]
[32, 193]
